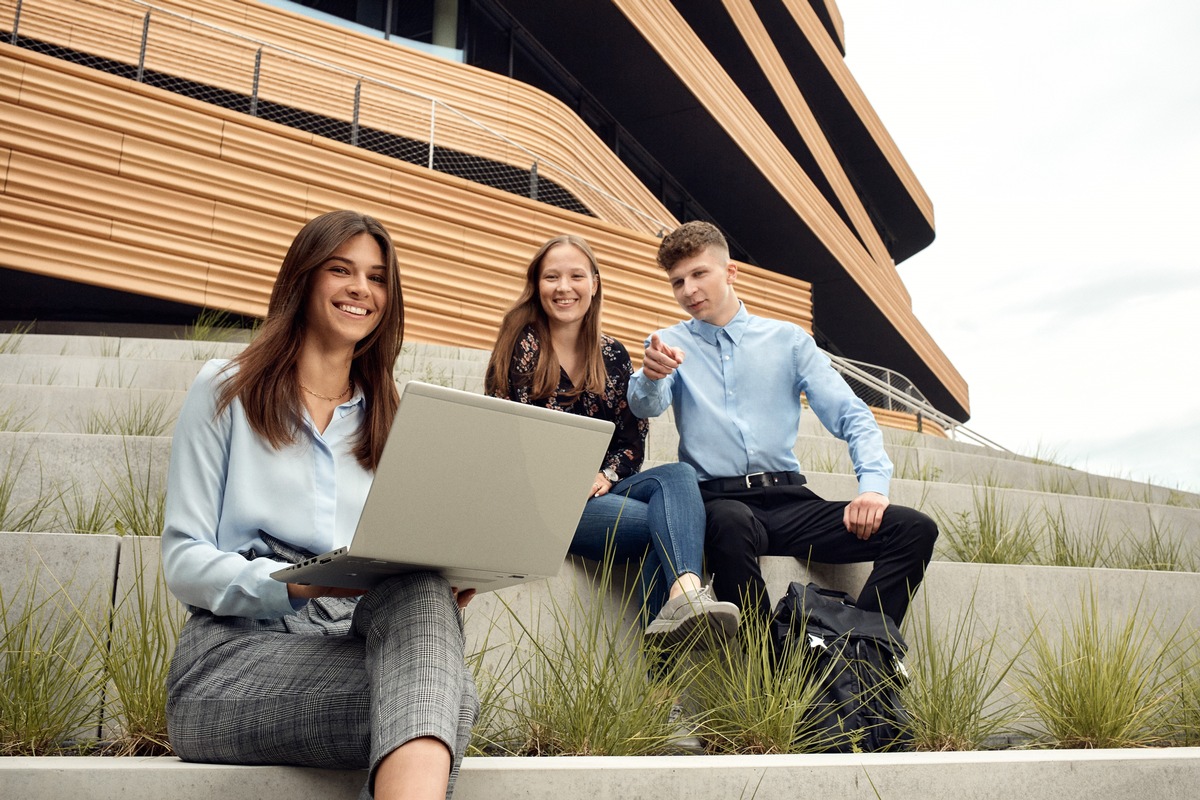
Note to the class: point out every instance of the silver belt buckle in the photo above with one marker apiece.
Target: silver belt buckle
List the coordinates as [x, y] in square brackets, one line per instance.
[753, 475]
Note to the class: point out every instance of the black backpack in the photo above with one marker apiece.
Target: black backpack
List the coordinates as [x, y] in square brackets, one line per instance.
[856, 655]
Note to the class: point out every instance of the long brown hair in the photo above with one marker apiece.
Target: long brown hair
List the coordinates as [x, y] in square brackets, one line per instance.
[528, 311]
[266, 380]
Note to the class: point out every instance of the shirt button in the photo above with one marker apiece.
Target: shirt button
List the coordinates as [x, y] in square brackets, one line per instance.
[726, 358]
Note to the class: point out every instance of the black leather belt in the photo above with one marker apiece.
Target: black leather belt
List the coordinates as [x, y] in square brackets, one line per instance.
[755, 480]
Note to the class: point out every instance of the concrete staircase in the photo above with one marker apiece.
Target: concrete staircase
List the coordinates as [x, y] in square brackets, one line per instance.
[85, 424]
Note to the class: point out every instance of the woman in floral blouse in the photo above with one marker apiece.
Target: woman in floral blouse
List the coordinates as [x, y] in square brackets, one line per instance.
[550, 352]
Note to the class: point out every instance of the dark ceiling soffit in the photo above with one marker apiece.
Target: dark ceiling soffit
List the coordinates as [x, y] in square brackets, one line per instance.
[631, 81]
[895, 214]
[821, 7]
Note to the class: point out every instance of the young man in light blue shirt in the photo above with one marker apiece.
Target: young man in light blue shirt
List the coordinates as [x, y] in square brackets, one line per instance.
[735, 381]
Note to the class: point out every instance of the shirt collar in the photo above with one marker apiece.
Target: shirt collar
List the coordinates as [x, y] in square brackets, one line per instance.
[735, 328]
[356, 399]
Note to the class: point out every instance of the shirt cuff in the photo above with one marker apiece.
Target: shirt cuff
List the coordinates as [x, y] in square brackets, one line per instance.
[645, 395]
[873, 483]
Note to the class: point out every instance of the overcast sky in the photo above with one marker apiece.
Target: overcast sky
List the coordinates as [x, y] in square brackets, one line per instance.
[1060, 143]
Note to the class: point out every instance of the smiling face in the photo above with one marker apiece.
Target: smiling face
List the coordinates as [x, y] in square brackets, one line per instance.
[347, 293]
[566, 285]
[703, 286]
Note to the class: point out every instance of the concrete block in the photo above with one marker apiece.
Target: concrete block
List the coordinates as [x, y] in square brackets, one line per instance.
[128, 347]
[1046, 775]
[823, 454]
[432, 369]
[73, 574]
[77, 409]
[429, 349]
[1016, 596]
[1178, 521]
[501, 626]
[179, 349]
[780, 571]
[61, 344]
[832, 487]
[1170, 774]
[168, 778]
[466, 383]
[896, 436]
[65, 582]
[1118, 526]
[97, 371]
[1010, 602]
[955, 467]
[60, 471]
[662, 443]
[146, 617]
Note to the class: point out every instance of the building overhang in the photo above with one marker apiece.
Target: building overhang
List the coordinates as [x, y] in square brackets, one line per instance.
[609, 50]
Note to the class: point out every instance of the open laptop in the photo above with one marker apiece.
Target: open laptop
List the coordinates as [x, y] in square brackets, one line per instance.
[486, 491]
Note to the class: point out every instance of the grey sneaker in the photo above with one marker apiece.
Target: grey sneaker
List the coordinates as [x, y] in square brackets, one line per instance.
[684, 736]
[680, 616]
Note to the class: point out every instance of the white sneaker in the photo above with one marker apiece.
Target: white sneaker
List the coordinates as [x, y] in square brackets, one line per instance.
[684, 736]
[681, 614]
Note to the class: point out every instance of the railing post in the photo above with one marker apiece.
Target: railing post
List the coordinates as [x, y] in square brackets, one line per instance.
[12, 39]
[142, 52]
[533, 181]
[432, 128]
[254, 89]
[354, 125]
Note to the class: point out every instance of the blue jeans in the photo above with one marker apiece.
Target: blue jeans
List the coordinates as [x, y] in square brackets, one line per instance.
[658, 509]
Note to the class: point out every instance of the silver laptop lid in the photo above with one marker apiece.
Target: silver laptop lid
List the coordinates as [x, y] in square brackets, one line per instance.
[468, 481]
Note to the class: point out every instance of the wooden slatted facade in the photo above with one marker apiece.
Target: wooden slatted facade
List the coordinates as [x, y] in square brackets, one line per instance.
[112, 183]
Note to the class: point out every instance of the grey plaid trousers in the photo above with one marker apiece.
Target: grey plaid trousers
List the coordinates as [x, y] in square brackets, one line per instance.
[338, 685]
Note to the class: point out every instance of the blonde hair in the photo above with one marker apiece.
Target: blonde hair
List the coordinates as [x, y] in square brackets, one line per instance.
[527, 312]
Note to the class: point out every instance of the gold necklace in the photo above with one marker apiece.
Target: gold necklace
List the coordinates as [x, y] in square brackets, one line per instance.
[345, 392]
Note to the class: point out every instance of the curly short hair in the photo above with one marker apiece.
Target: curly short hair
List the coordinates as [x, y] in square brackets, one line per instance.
[689, 239]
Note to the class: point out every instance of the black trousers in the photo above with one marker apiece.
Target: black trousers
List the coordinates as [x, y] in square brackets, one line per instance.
[793, 521]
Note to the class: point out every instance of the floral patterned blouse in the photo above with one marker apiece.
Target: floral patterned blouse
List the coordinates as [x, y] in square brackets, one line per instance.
[627, 448]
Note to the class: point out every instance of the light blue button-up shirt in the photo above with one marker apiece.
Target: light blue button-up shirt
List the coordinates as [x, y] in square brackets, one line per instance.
[226, 484]
[737, 400]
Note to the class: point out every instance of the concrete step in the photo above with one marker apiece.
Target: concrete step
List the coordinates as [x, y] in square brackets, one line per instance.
[37, 408]
[177, 375]
[122, 347]
[82, 409]
[76, 573]
[1006, 600]
[1170, 774]
[67, 470]
[826, 454]
[108, 362]
[195, 350]
[63, 479]
[97, 372]
[107, 409]
[1123, 524]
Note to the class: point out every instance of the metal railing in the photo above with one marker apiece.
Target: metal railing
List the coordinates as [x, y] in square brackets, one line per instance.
[883, 388]
[163, 48]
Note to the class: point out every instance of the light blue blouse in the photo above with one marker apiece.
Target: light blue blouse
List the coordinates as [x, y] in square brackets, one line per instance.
[226, 484]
